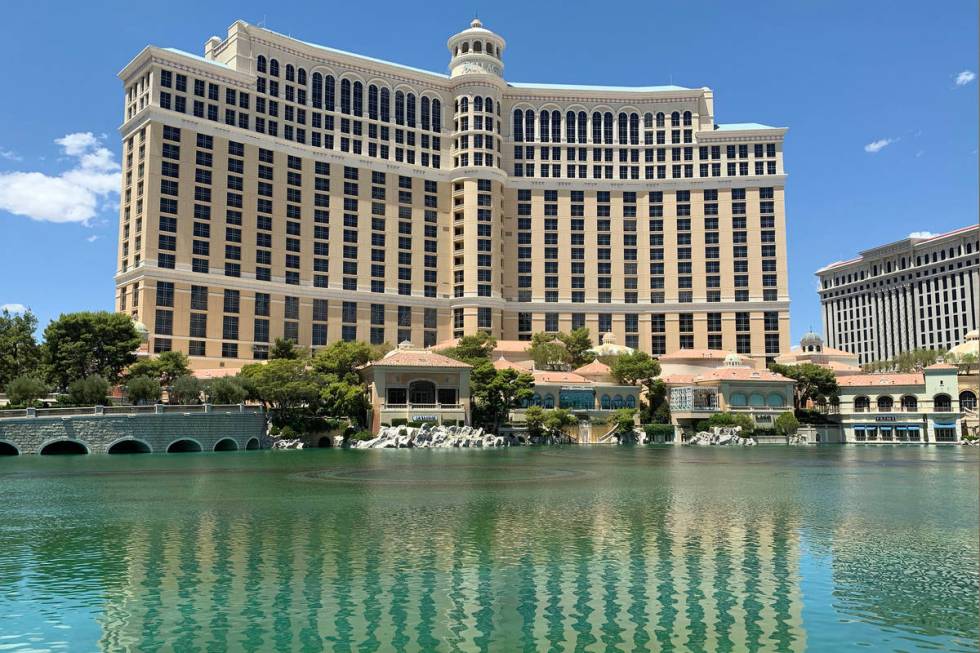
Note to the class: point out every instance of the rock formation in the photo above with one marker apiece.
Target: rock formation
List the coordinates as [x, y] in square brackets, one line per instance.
[722, 436]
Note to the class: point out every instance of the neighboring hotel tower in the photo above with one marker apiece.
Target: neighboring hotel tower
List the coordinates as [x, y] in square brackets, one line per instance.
[275, 188]
[916, 293]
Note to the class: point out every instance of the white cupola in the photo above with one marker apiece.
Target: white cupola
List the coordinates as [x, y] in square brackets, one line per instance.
[477, 51]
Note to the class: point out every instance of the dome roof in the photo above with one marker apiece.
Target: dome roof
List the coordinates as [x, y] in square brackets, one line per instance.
[610, 348]
[970, 345]
[141, 329]
[733, 360]
[811, 338]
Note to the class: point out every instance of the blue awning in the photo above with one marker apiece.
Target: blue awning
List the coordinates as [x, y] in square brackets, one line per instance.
[951, 425]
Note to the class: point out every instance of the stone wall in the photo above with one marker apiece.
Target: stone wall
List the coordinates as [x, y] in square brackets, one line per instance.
[157, 431]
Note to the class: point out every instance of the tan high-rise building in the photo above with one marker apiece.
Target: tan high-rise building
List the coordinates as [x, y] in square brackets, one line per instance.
[276, 188]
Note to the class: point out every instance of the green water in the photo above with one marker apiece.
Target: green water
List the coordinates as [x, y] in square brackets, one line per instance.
[551, 549]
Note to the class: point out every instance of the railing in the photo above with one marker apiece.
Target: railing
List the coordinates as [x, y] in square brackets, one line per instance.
[388, 406]
[104, 411]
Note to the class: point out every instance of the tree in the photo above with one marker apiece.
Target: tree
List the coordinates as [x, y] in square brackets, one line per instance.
[786, 423]
[225, 390]
[143, 390]
[548, 352]
[632, 368]
[813, 382]
[165, 368]
[26, 390]
[557, 420]
[184, 390]
[729, 420]
[340, 360]
[577, 344]
[285, 348]
[344, 399]
[624, 422]
[966, 362]
[283, 385]
[78, 345]
[20, 355]
[534, 418]
[90, 391]
[656, 408]
[495, 392]
[914, 360]
[474, 349]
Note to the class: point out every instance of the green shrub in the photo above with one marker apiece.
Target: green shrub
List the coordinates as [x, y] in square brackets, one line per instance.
[362, 435]
[185, 390]
[765, 432]
[786, 423]
[26, 391]
[143, 390]
[399, 421]
[728, 419]
[90, 391]
[652, 430]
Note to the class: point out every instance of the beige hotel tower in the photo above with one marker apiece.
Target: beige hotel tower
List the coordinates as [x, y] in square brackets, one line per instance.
[277, 188]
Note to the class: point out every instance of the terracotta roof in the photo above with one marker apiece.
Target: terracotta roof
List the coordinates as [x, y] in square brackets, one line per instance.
[838, 366]
[215, 372]
[416, 358]
[558, 377]
[595, 368]
[512, 346]
[504, 364]
[728, 374]
[871, 380]
[941, 366]
[692, 354]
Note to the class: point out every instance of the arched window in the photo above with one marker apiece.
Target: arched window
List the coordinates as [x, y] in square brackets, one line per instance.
[606, 403]
[385, 105]
[968, 400]
[529, 126]
[621, 119]
[488, 104]
[464, 104]
[477, 46]
[596, 127]
[358, 99]
[545, 126]
[885, 403]
[583, 126]
[466, 48]
[436, 116]
[424, 113]
[301, 77]
[661, 119]
[634, 129]
[942, 404]
[757, 400]
[421, 392]
[399, 108]
[328, 93]
[570, 126]
[648, 121]
[617, 402]
[345, 96]
[862, 404]
[373, 102]
[555, 126]
[775, 400]
[675, 119]
[518, 134]
[607, 127]
[410, 109]
[317, 91]
[478, 103]
[260, 65]
[536, 399]
[274, 67]
[290, 72]
[687, 118]
[549, 401]
[489, 48]
[910, 404]
[630, 401]
[737, 399]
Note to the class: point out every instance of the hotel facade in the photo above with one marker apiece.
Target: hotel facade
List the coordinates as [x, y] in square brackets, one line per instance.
[916, 293]
[276, 188]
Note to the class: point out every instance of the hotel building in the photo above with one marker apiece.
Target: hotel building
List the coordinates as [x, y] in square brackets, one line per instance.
[277, 188]
[916, 293]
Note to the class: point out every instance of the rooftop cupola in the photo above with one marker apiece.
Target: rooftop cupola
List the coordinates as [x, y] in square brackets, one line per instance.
[477, 51]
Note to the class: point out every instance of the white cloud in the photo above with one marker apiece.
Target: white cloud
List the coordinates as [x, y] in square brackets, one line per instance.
[13, 308]
[92, 238]
[921, 234]
[9, 155]
[965, 77]
[75, 195]
[879, 145]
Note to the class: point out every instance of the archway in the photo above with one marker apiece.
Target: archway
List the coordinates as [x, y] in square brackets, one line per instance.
[325, 442]
[64, 448]
[252, 444]
[226, 444]
[129, 446]
[968, 400]
[184, 446]
[421, 392]
[942, 403]
[7, 449]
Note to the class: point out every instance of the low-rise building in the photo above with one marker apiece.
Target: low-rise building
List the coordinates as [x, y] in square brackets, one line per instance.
[731, 387]
[812, 350]
[417, 385]
[897, 408]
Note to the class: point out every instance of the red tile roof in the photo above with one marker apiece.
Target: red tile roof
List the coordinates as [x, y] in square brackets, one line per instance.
[693, 354]
[595, 368]
[558, 377]
[417, 358]
[872, 380]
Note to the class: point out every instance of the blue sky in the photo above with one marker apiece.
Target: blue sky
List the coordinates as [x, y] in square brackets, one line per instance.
[880, 99]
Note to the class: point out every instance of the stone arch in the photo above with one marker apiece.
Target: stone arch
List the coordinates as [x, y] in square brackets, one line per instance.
[63, 446]
[8, 449]
[128, 445]
[225, 444]
[184, 445]
[421, 391]
[885, 403]
[252, 444]
[968, 400]
[325, 442]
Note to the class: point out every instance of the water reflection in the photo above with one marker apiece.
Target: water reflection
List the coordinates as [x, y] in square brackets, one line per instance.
[636, 551]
